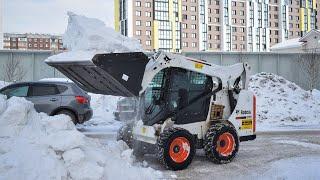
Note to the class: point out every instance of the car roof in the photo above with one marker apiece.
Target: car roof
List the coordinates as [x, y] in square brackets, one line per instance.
[39, 82]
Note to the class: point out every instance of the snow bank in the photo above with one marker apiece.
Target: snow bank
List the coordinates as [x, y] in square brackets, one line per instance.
[36, 146]
[103, 119]
[283, 104]
[3, 84]
[86, 37]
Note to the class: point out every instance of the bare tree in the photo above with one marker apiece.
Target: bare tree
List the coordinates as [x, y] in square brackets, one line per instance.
[310, 65]
[13, 70]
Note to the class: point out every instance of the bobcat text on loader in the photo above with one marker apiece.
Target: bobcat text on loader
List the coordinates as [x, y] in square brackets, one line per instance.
[185, 104]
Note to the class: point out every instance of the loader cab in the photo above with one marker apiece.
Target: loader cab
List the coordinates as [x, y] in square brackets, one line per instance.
[178, 94]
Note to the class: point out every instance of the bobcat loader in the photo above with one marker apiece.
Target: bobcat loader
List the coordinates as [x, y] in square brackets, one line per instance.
[184, 104]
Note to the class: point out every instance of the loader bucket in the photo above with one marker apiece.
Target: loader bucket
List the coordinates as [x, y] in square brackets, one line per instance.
[118, 74]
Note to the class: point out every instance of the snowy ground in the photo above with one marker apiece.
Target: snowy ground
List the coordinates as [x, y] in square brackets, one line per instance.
[275, 155]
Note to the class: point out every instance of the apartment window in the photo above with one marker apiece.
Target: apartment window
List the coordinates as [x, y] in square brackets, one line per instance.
[217, 28]
[148, 23]
[276, 24]
[241, 13]
[234, 20]
[41, 45]
[184, 35]
[148, 4]
[217, 11]
[193, 18]
[138, 33]
[148, 14]
[234, 12]
[234, 29]
[47, 45]
[148, 42]
[194, 35]
[242, 38]
[242, 21]
[194, 44]
[138, 3]
[193, 8]
[241, 29]
[148, 33]
[184, 16]
[234, 3]
[209, 36]
[234, 38]
[234, 46]
[35, 40]
[184, 8]
[138, 23]
[184, 44]
[216, 20]
[41, 40]
[276, 32]
[193, 1]
[138, 13]
[242, 46]
[241, 4]
[209, 28]
[35, 45]
[193, 26]
[209, 19]
[217, 2]
[210, 45]
[217, 37]
[184, 26]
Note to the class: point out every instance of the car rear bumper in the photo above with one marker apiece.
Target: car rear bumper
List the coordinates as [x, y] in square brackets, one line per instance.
[85, 116]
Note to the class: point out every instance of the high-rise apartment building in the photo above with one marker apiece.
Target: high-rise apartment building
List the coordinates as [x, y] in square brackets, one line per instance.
[215, 25]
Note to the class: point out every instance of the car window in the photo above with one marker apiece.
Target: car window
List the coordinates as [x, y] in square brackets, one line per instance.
[62, 88]
[20, 91]
[44, 90]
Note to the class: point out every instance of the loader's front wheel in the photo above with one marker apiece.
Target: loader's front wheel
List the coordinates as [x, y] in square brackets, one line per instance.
[176, 148]
[221, 143]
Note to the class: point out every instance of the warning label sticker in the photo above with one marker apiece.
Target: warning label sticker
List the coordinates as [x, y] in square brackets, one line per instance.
[198, 65]
[246, 124]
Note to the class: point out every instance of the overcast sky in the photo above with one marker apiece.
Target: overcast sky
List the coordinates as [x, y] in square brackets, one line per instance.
[50, 16]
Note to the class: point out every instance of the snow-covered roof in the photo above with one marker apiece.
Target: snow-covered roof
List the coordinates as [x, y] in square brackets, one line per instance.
[313, 32]
[288, 44]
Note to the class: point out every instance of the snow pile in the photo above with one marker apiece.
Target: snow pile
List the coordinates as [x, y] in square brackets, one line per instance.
[86, 37]
[36, 146]
[103, 119]
[3, 84]
[281, 103]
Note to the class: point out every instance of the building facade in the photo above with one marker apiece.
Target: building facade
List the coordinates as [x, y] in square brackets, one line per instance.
[32, 42]
[1, 24]
[215, 25]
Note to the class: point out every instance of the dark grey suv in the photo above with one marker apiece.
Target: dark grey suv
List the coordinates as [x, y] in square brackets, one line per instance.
[53, 97]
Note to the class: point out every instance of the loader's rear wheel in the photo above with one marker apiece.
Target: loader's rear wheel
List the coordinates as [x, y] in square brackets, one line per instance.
[176, 148]
[221, 143]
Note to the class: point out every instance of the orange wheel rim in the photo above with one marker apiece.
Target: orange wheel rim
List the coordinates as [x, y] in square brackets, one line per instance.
[225, 144]
[179, 149]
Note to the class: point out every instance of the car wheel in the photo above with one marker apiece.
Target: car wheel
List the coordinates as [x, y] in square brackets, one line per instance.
[70, 114]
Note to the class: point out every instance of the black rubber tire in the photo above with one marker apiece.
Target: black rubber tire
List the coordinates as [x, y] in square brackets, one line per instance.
[163, 148]
[211, 140]
[70, 114]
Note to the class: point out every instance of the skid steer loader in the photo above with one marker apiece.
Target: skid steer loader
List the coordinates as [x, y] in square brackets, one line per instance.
[184, 104]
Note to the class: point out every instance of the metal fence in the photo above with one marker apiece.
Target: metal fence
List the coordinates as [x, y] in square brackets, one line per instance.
[284, 64]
